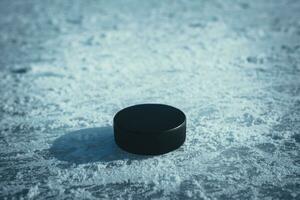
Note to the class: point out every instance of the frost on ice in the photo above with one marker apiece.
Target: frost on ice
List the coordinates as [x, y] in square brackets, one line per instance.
[66, 67]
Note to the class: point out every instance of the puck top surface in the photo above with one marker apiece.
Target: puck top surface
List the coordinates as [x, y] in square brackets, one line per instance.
[149, 118]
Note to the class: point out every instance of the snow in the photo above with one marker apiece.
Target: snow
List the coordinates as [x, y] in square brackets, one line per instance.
[66, 67]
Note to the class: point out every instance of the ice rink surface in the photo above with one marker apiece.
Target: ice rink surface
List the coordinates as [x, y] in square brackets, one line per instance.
[66, 67]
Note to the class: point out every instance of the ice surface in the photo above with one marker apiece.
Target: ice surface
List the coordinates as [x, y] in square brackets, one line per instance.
[66, 67]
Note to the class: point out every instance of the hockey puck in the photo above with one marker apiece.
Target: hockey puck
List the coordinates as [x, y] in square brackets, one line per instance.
[149, 129]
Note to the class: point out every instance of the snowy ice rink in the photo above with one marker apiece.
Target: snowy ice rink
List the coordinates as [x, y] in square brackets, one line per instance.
[66, 67]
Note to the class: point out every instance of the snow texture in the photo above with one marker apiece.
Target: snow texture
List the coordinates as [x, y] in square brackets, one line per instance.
[66, 67]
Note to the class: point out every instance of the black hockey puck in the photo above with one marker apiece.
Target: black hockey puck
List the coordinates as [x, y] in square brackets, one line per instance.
[149, 129]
